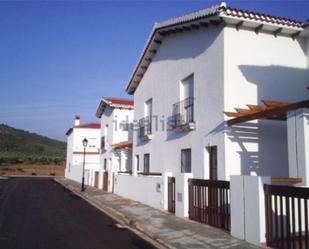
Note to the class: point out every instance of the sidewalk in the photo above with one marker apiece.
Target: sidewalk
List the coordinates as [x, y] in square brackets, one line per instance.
[164, 228]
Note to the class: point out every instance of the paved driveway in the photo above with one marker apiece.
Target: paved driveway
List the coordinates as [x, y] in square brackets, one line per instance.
[38, 213]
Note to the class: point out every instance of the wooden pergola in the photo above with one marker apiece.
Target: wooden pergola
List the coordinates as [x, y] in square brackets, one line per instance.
[269, 109]
[121, 145]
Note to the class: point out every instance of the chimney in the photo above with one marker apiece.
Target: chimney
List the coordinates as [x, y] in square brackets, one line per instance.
[77, 120]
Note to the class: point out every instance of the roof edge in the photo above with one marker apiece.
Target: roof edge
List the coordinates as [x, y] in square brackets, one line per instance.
[216, 11]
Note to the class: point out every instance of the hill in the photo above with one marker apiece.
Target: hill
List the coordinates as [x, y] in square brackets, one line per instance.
[19, 146]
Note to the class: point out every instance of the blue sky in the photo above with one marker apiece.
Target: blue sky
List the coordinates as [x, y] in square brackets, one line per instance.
[58, 58]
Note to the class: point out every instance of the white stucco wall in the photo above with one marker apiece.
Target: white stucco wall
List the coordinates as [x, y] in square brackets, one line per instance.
[298, 137]
[198, 52]
[260, 67]
[231, 69]
[75, 155]
[113, 117]
[308, 53]
[69, 157]
[152, 194]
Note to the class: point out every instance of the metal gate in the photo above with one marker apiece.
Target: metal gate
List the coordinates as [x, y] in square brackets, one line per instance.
[105, 181]
[209, 202]
[287, 217]
[171, 194]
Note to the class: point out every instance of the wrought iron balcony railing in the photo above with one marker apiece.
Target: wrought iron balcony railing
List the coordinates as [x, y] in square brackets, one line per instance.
[145, 127]
[183, 112]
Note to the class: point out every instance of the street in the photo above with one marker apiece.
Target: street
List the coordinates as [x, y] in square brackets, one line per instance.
[38, 213]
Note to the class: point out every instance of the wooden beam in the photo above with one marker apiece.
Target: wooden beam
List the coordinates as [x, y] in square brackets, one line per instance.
[244, 111]
[153, 51]
[233, 114]
[273, 103]
[148, 59]
[140, 75]
[215, 22]
[295, 35]
[173, 31]
[163, 33]
[276, 32]
[256, 107]
[144, 67]
[204, 24]
[286, 180]
[186, 28]
[238, 25]
[258, 28]
[269, 112]
[179, 30]
[157, 41]
[195, 26]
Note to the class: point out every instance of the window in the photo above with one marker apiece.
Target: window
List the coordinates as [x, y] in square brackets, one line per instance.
[103, 143]
[187, 88]
[137, 162]
[105, 164]
[148, 108]
[186, 161]
[124, 126]
[213, 163]
[146, 163]
[183, 111]
[145, 127]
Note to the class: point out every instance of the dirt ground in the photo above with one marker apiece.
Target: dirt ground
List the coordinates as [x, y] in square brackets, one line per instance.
[28, 170]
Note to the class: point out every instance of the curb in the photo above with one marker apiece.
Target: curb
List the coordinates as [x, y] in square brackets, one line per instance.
[133, 225]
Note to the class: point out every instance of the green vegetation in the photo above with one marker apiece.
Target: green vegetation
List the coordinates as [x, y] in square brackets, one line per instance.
[19, 146]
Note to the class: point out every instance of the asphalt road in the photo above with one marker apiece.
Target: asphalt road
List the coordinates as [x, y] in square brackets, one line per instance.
[38, 213]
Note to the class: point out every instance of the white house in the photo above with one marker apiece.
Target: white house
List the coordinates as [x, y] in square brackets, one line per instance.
[116, 116]
[194, 70]
[75, 152]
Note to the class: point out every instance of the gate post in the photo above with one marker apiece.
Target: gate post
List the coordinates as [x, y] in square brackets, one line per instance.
[165, 189]
[248, 208]
[298, 144]
[182, 194]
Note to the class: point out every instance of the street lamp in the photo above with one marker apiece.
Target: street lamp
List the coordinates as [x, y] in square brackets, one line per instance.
[85, 142]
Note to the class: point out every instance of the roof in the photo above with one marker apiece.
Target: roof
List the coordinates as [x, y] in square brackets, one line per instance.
[204, 17]
[113, 102]
[89, 125]
[86, 125]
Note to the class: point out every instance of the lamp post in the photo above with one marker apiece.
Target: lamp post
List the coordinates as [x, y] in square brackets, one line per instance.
[85, 142]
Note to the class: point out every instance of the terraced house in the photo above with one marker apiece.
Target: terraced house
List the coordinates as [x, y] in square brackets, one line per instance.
[76, 152]
[212, 92]
[116, 116]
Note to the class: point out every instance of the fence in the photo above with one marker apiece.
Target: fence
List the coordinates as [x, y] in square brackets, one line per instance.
[287, 217]
[209, 202]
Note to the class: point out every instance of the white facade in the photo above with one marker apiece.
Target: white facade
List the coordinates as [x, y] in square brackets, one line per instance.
[75, 152]
[231, 65]
[231, 69]
[261, 67]
[116, 116]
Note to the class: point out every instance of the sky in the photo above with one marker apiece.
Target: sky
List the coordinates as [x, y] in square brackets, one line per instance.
[58, 58]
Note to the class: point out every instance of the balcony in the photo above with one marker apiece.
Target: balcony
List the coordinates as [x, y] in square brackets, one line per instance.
[145, 131]
[183, 115]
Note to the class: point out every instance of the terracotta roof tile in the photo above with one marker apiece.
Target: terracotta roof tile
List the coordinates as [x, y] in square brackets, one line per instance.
[120, 101]
[114, 102]
[216, 11]
[89, 125]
